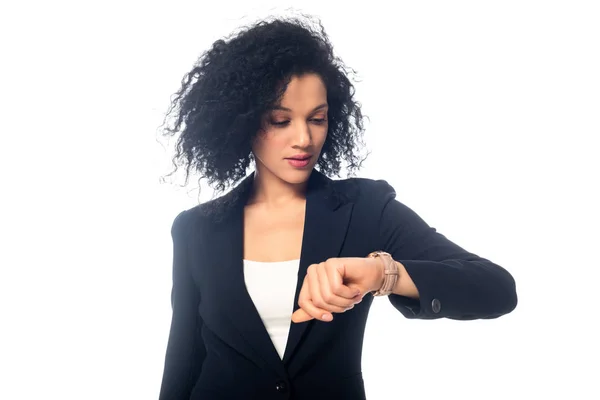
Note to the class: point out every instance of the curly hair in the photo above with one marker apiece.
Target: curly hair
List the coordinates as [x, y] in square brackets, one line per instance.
[221, 104]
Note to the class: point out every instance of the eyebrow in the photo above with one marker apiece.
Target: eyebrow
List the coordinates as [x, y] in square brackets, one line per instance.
[287, 109]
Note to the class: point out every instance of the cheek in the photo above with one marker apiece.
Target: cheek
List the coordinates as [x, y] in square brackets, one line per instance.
[321, 137]
[269, 144]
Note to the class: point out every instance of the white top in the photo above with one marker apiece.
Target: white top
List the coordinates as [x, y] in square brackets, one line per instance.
[272, 287]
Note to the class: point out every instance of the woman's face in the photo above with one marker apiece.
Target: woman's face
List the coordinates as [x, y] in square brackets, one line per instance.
[296, 128]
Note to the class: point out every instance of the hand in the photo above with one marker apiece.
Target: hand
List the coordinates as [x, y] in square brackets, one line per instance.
[336, 285]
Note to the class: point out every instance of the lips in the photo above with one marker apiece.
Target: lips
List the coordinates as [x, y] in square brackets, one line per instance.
[300, 158]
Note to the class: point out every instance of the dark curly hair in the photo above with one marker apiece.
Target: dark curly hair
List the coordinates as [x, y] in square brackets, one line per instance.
[220, 107]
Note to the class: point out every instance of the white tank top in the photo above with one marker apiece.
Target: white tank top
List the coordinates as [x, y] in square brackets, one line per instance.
[272, 287]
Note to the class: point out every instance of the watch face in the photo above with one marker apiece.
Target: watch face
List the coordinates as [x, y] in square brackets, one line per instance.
[379, 254]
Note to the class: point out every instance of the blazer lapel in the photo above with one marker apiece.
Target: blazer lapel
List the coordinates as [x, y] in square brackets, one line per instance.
[325, 225]
[226, 241]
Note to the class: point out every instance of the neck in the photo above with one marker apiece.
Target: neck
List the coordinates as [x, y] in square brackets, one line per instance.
[271, 191]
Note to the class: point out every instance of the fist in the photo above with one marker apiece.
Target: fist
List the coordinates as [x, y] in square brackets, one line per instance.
[335, 286]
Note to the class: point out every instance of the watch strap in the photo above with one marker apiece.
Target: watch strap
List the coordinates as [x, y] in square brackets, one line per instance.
[390, 273]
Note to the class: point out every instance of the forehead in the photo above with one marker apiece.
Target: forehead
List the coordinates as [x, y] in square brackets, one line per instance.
[306, 91]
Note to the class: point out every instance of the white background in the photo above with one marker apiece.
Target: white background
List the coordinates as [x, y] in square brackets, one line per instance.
[483, 115]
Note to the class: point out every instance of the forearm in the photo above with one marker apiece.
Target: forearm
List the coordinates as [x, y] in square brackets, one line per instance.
[450, 282]
[405, 285]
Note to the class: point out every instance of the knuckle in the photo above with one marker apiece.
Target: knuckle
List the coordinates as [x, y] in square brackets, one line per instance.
[328, 297]
[319, 303]
[336, 290]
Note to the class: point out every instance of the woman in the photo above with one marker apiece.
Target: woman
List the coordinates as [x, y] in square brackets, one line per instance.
[288, 238]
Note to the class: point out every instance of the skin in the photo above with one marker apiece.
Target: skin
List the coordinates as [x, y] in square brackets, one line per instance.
[302, 129]
[274, 214]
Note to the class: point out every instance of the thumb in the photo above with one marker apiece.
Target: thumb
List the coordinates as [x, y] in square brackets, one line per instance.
[357, 288]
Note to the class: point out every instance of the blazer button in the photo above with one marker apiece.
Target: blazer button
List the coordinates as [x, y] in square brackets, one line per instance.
[281, 387]
[436, 306]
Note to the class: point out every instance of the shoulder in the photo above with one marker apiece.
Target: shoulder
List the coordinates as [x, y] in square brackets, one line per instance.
[180, 223]
[365, 190]
[188, 219]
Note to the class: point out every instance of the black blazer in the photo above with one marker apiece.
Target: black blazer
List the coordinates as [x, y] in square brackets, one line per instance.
[218, 347]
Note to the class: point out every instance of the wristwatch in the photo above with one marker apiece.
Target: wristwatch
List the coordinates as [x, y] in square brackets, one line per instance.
[390, 273]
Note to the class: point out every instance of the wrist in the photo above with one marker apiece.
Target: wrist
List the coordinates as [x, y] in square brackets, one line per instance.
[378, 273]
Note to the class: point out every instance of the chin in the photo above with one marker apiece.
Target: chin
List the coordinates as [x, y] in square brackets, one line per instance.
[296, 177]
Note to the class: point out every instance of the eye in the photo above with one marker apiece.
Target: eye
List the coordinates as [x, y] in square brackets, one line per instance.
[318, 121]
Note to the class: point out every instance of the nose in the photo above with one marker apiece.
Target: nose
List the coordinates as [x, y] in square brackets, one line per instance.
[303, 136]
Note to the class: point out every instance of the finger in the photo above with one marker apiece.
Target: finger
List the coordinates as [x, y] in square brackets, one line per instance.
[336, 282]
[327, 286]
[314, 284]
[306, 303]
[300, 316]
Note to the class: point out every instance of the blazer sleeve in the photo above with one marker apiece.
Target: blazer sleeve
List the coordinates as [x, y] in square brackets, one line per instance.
[452, 282]
[185, 349]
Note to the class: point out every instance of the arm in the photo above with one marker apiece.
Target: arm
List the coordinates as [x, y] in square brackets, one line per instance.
[185, 349]
[439, 279]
